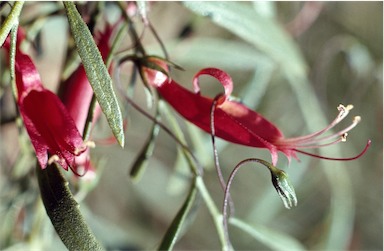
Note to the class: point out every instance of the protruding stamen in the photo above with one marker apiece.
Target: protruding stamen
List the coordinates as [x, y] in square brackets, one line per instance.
[309, 139]
[313, 140]
[355, 121]
[341, 138]
[344, 110]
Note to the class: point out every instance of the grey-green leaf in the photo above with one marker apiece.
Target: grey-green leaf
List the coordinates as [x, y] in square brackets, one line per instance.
[142, 160]
[10, 21]
[271, 238]
[64, 211]
[174, 229]
[263, 32]
[96, 71]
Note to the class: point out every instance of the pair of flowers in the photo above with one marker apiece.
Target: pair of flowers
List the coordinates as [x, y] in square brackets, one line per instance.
[55, 127]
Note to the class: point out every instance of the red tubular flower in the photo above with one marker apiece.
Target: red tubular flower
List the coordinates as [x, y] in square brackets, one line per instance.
[237, 123]
[47, 121]
[76, 94]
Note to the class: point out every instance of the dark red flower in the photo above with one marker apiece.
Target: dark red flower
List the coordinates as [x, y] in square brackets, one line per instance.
[76, 94]
[49, 125]
[235, 122]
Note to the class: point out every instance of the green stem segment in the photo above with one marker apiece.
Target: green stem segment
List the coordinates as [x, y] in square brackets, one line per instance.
[11, 20]
[279, 180]
[175, 228]
[64, 211]
[12, 59]
[217, 217]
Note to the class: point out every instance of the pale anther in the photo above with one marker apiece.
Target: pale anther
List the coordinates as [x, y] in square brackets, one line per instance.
[344, 137]
[86, 144]
[342, 108]
[349, 107]
[90, 144]
[53, 158]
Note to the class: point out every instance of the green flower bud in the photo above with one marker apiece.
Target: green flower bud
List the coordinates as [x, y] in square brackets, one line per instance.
[284, 187]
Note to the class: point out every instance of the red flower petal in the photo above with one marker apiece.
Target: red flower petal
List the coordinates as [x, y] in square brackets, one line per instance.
[51, 128]
[27, 77]
[234, 122]
[48, 123]
[76, 92]
[220, 75]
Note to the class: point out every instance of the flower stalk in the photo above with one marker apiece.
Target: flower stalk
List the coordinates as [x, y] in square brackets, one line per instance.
[279, 180]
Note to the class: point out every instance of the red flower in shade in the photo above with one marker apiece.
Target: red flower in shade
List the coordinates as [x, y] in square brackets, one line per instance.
[47, 121]
[234, 122]
[76, 94]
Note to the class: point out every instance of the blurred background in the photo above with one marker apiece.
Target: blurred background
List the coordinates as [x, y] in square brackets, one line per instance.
[293, 62]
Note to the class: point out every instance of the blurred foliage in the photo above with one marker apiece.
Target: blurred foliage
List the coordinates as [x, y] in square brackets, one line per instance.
[293, 62]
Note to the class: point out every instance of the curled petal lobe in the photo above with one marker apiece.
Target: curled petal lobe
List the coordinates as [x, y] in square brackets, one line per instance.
[221, 76]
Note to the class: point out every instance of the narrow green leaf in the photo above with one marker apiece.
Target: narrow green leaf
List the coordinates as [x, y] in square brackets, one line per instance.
[263, 32]
[254, 91]
[64, 211]
[224, 53]
[269, 237]
[173, 232]
[142, 160]
[10, 21]
[96, 71]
